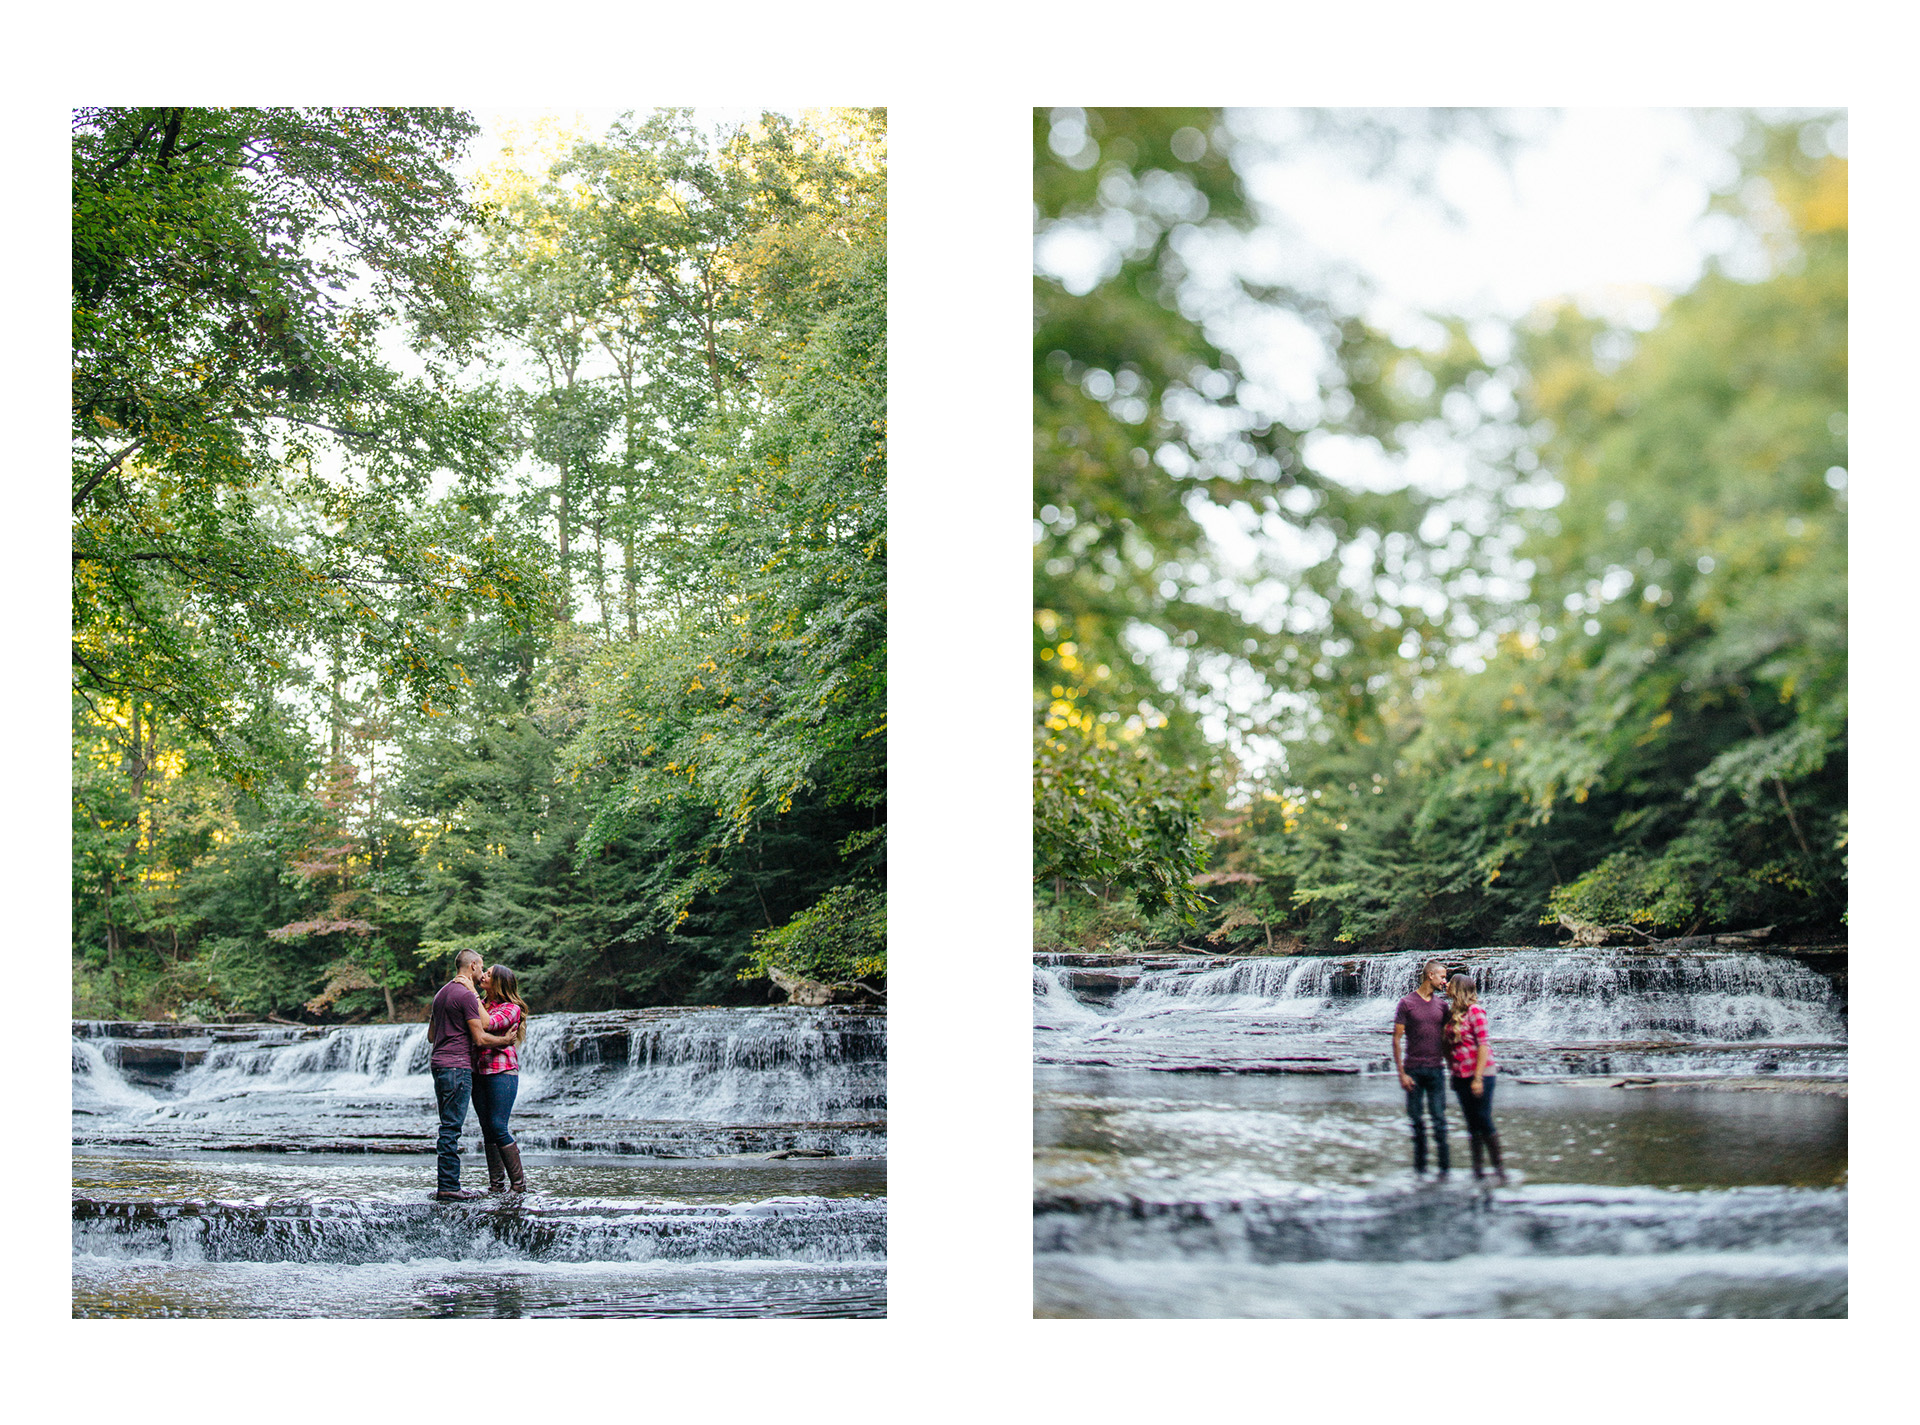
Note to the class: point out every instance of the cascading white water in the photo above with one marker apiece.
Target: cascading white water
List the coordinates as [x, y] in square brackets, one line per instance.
[359, 1057]
[719, 1065]
[680, 1161]
[1718, 1004]
[715, 1066]
[98, 1086]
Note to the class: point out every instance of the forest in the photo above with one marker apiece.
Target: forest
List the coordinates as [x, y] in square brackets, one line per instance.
[1598, 695]
[487, 558]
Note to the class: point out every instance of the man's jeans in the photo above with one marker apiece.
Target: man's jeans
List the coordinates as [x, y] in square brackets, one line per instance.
[453, 1088]
[1429, 1088]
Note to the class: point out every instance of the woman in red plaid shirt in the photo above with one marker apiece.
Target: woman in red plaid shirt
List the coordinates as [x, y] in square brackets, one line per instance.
[1470, 1055]
[496, 1078]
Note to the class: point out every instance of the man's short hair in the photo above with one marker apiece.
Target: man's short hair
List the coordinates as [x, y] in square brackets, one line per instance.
[466, 956]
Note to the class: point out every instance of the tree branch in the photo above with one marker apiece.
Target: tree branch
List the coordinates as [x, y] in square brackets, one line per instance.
[93, 483]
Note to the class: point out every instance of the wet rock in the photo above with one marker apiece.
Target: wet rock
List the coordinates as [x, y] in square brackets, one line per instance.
[1099, 986]
[154, 1065]
[815, 993]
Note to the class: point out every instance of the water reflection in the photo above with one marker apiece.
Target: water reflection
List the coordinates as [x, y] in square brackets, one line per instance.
[1108, 1130]
[253, 1177]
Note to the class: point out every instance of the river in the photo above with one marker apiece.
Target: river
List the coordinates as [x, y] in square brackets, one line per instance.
[1223, 1137]
[680, 1162]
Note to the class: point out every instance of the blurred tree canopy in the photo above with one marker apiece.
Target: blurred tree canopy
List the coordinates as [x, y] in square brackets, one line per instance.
[1142, 440]
[1655, 743]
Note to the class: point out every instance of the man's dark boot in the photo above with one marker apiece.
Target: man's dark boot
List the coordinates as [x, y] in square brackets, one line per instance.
[456, 1195]
[496, 1169]
[1479, 1157]
[510, 1155]
[1419, 1146]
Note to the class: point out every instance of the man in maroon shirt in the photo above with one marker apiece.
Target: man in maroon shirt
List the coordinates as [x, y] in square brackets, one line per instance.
[456, 1024]
[1417, 1024]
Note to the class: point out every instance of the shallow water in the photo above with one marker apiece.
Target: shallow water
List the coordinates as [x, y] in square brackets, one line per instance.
[1108, 1131]
[679, 1162]
[1216, 1138]
[246, 1177]
[105, 1287]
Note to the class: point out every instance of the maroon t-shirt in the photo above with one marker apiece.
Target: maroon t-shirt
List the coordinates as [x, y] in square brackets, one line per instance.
[447, 1026]
[1424, 1019]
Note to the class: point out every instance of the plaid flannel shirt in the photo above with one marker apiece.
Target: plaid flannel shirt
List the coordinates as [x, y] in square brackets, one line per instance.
[500, 1019]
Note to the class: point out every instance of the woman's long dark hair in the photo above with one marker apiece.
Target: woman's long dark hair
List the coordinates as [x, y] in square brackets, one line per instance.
[504, 988]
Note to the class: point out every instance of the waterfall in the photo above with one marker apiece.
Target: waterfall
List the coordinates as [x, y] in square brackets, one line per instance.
[691, 1161]
[1408, 1226]
[1604, 1011]
[774, 1066]
[98, 1086]
[342, 1232]
[712, 1065]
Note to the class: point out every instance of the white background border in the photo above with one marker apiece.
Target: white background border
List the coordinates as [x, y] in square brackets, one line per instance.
[960, 82]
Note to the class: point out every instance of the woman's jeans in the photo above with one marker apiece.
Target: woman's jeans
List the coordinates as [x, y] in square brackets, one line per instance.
[493, 1096]
[452, 1088]
[1429, 1091]
[1478, 1111]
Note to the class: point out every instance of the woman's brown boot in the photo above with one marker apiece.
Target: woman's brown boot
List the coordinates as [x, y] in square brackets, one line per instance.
[496, 1170]
[510, 1153]
[1479, 1156]
[1493, 1152]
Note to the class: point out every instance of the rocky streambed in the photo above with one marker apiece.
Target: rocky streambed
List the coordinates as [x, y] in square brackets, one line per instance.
[682, 1162]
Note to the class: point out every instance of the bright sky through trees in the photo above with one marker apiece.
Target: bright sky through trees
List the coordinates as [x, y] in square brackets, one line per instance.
[1605, 207]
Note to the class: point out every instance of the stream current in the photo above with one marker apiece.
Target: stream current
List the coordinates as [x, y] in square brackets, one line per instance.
[703, 1162]
[1223, 1137]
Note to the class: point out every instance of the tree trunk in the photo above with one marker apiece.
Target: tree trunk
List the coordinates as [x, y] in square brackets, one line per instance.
[565, 550]
[632, 592]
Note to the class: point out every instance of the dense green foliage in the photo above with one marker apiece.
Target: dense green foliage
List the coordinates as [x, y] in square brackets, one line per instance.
[1654, 744]
[840, 939]
[651, 728]
[252, 480]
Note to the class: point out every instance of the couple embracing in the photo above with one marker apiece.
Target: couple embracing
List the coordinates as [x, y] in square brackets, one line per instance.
[476, 1027]
[1442, 1027]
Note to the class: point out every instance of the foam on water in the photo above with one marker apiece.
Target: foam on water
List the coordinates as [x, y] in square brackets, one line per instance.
[439, 1287]
[98, 1086]
[356, 1231]
[1667, 1287]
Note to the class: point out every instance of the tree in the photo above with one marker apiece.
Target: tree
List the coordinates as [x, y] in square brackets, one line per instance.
[763, 692]
[629, 810]
[249, 473]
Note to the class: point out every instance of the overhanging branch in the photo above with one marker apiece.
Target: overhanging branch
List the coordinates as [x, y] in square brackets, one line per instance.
[93, 483]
